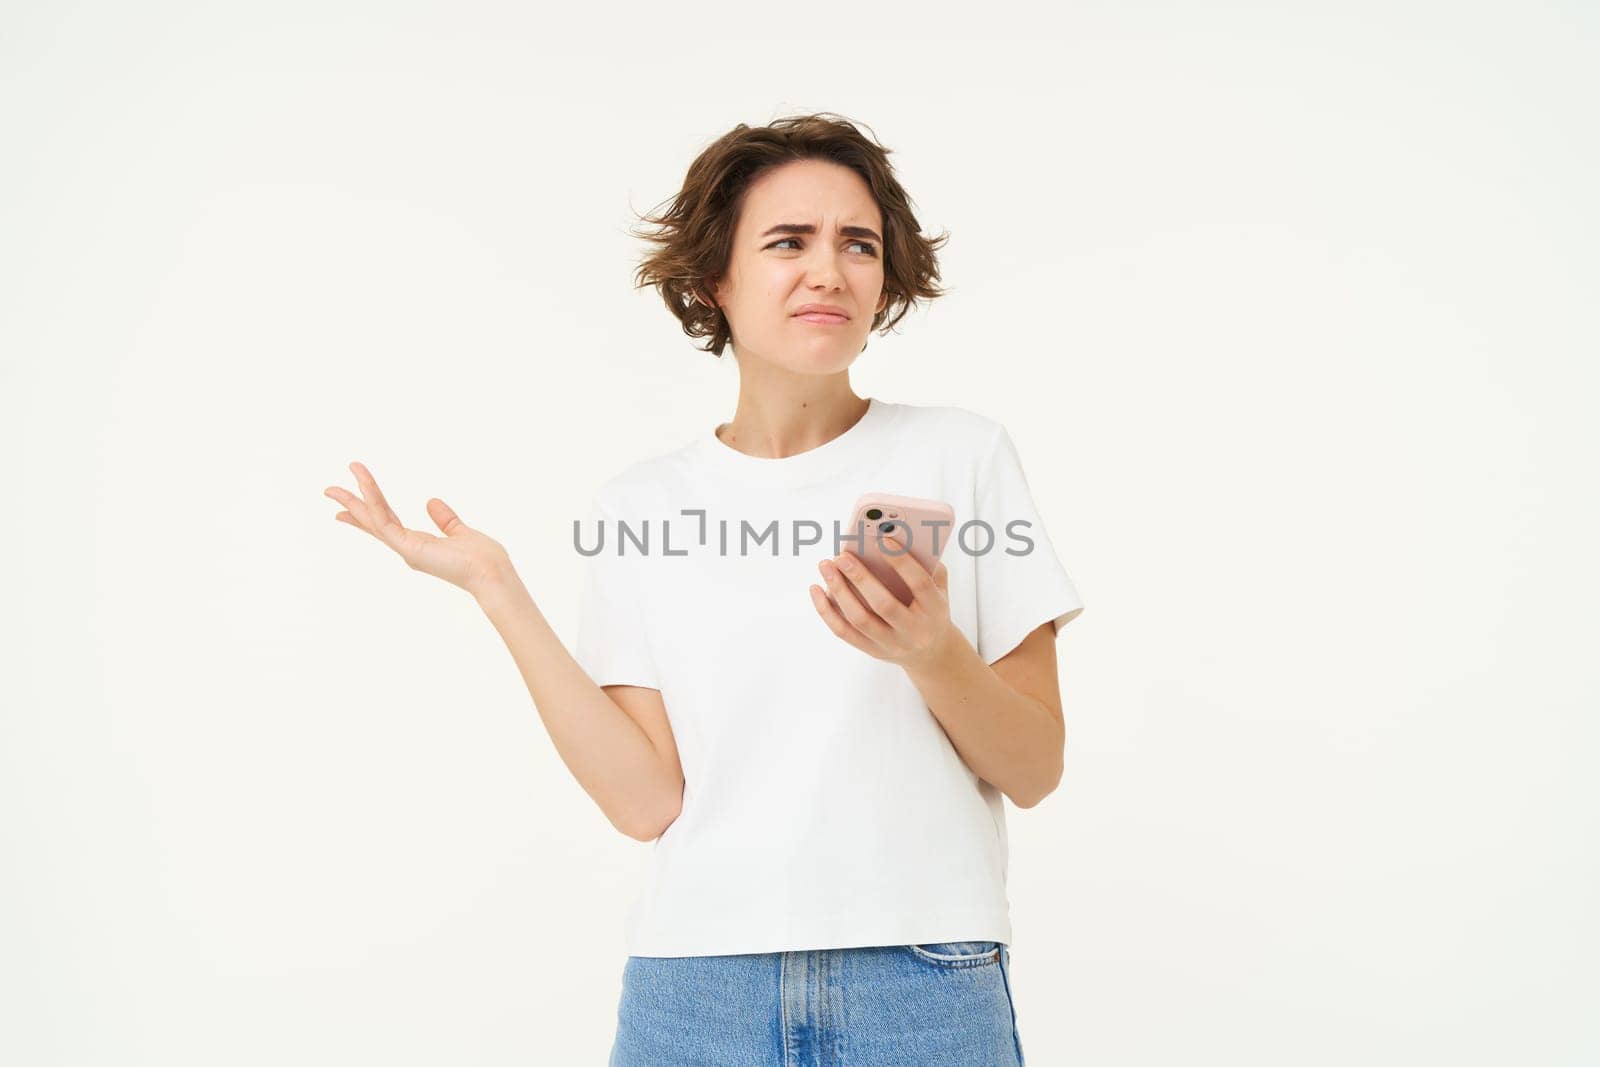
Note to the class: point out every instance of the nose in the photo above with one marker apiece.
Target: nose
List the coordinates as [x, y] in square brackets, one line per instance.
[823, 268]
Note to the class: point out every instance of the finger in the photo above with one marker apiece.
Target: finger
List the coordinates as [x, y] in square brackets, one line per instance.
[910, 569]
[386, 529]
[359, 509]
[444, 517]
[874, 592]
[941, 576]
[838, 624]
[347, 518]
[369, 489]
[847, 598]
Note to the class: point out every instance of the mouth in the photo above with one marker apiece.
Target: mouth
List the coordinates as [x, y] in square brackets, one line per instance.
[822, 319]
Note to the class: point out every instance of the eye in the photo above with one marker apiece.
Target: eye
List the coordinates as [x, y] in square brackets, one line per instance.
[872, 249]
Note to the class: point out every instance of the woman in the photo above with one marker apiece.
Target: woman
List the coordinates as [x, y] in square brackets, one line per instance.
[819, 764]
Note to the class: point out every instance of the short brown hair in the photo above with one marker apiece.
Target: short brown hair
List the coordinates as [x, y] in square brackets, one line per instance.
[695, 231]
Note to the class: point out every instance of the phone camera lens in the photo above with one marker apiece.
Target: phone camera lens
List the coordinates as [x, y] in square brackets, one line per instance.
[887, 527]
[874, 514]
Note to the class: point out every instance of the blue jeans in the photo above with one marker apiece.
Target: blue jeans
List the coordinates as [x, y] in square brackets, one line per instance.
[891, 1006]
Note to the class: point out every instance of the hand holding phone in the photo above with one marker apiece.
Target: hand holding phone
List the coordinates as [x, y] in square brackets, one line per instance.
[923, 527]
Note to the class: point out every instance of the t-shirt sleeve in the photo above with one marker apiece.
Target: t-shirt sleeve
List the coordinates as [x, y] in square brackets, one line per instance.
[1020, 582]
[612, 645]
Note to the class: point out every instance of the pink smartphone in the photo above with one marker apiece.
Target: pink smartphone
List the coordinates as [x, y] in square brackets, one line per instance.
[910, 519]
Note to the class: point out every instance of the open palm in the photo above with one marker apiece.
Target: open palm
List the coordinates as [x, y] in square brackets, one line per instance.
[463, 557]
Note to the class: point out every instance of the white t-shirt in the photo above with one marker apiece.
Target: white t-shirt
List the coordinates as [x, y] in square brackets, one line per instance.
[823, 804]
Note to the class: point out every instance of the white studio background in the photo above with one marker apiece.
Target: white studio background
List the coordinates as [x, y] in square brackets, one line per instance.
[1289, 308]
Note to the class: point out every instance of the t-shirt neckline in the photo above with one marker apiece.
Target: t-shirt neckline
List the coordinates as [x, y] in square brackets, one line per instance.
[814, 465]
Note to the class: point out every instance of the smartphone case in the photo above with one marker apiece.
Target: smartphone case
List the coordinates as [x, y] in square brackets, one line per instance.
[907, 517]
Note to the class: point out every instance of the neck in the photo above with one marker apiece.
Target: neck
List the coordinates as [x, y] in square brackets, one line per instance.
[775, 420]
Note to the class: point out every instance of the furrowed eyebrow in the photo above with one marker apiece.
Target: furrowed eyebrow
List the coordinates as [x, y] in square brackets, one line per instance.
[807, 228]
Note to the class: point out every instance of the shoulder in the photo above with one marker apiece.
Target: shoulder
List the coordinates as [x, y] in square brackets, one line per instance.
[962, 431]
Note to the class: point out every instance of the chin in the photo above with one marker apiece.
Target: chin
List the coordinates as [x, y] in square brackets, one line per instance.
[820, 362]
[819, 359]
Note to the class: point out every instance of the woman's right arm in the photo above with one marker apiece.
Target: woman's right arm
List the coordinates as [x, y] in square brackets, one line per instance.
[616, 741]
[621, 750]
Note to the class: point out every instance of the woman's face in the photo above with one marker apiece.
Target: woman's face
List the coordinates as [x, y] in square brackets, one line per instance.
[774, 271]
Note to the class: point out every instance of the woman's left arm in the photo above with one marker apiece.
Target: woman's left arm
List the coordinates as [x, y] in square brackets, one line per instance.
[1004, 720]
